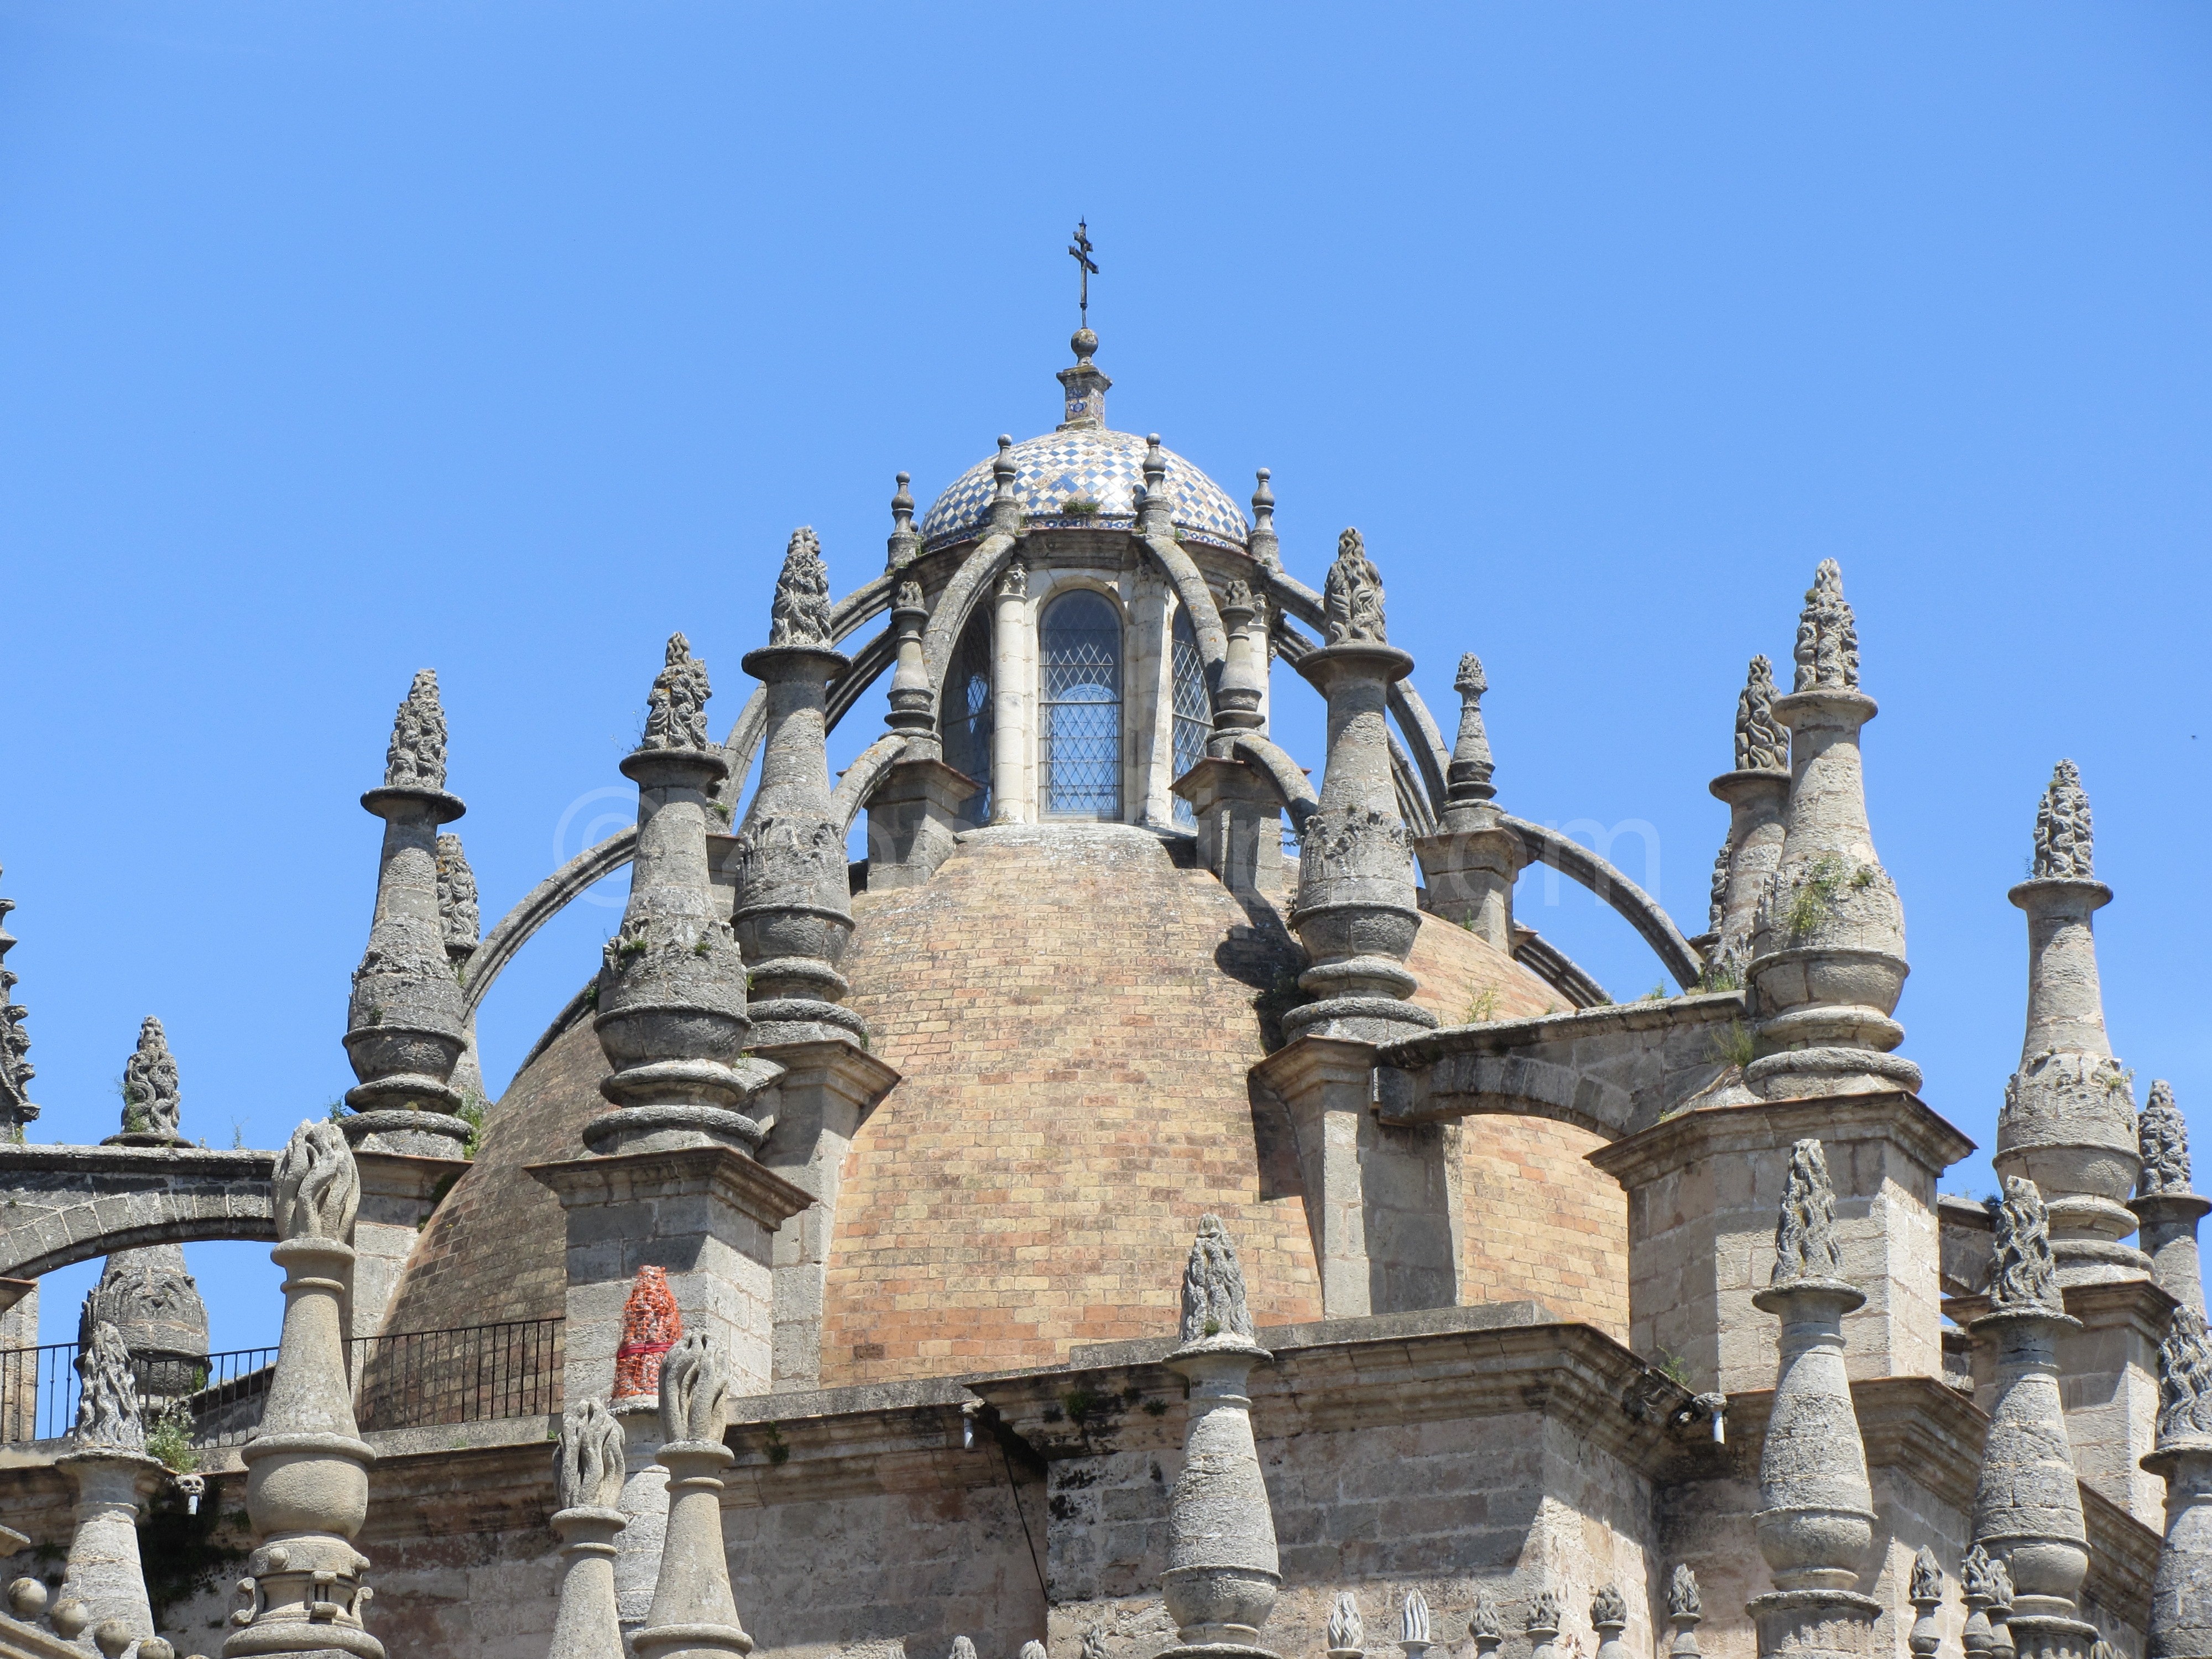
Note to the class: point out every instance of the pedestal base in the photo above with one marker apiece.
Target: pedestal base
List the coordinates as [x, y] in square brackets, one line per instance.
[1814, 1623]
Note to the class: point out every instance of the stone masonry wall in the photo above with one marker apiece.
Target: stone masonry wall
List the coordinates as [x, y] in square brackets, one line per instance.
[1539, 1222]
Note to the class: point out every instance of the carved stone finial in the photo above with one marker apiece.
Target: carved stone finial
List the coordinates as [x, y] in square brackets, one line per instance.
[107, 1414]
[695, 1379]
[1926, 1584]
[1033, 1649]
[652, 1325]
[2162, 1137]
[1827, 651]
[1471, 764]
[962, 1648]
[1004, 469]
[457, 912]
[587, 1464]
[1609, 1617]
[1213, 1289]
[1413, 1620]
[1716, 905]
[416, 758]
[1014, 581]
[1094, 1642]
[1266, 547]
[152, 1102]
[1485, 1623]
[904, 541]
[1348, 1632]
[2064, 837]
[1543, 1613]
[316, 1190]
[2185, 1379]
[1805, 1234]
[677, 717]
[1682, 1600]
[1351, 598]
[1236, 595]
[908, 596]
[1762, 742]
[2024, 1275]
[800, 613]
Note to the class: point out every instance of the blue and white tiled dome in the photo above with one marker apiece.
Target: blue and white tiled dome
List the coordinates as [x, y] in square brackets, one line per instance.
[1087, 464]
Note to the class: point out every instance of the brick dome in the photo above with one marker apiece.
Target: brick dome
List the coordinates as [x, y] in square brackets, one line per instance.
[1073, 1014]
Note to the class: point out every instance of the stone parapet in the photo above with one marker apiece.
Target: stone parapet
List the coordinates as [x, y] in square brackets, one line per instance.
[1701, 1190]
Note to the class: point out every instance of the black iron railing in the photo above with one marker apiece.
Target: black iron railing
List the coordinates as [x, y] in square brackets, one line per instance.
[405, 1379]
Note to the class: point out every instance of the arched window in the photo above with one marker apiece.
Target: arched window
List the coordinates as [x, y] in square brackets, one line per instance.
[1079, 741]
[1193, 713]
[965, 714]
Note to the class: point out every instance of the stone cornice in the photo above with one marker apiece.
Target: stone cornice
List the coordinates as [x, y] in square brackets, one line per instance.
[402, 1175]
[1717, 1131]
[2138, 1301]
[747, 1186]
[1436, 1365]
[205, 1162]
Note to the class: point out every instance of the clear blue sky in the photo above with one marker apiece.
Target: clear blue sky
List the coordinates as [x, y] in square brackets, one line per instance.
[337, 341]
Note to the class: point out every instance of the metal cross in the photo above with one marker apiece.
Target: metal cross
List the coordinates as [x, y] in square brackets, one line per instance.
[1080, 250]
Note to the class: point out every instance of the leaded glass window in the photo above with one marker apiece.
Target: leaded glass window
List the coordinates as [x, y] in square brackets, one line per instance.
[1080, 740]
[965, 718]
[1193, 713]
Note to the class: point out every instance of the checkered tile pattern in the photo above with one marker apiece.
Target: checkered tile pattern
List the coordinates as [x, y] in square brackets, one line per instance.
[1090, 464]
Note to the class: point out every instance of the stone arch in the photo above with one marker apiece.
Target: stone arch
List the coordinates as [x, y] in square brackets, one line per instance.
[69, 1204]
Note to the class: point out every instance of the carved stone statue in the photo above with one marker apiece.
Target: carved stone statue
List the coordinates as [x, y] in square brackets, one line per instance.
[457, 912]
[2163, 1139]
[107, 1412]
[2024, 1274]
[1805, 1233]
[1213, 1288]
[1762, 742]
[1351, 598]
[416, 758]
[800, 613]
[317, 1188]
[1827, 653]
[151, 1099]
[2064, 837]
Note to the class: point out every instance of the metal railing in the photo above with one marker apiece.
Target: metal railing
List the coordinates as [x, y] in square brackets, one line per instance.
[403, 1380]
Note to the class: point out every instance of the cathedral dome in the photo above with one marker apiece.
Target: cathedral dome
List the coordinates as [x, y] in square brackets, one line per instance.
[1084, 463]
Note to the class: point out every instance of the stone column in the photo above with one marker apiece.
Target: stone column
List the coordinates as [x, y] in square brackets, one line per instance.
[1355, 912]
[307, 1479]
[2166, 1204]
[1756, 792]
[671, 986]
[1815, 1523]
[694, 1613]
[914, 812]
[405, 1025]
[1013, 699]
[587, 1474]
[2027, 1505]
[827, 1089]
[1240, 824]
[1828, 946]
[652, 1325]
[795, 915]
[107, 1466]
[2069, 1120]
[1222, 1574]
[1473, 859]
[1148, 704]
[2181, 1592]
[1381, 1199]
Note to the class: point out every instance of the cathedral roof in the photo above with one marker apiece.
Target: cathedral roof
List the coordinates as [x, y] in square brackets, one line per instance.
[1085, 462]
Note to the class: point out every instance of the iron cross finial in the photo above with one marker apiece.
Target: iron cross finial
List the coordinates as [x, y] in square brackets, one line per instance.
[1080, 250]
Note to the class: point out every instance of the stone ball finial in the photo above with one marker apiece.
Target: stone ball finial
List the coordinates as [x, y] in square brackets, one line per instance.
[1082, 342]
[316, 1190]
[26, 1598]
[1263, 500]
[110, 1636]
[587, 1464]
